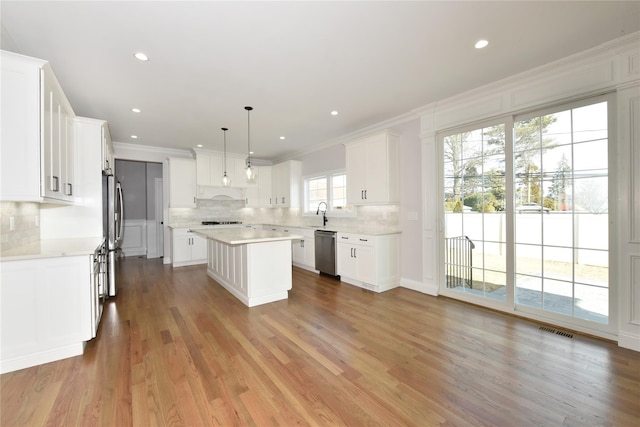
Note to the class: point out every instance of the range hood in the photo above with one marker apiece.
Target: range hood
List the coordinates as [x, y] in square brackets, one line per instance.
[220, 193]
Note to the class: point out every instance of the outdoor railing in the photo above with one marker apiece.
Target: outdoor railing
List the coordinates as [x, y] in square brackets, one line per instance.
[459, 261]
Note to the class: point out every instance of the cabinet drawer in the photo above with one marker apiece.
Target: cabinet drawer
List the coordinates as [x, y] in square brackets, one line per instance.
[356, 239]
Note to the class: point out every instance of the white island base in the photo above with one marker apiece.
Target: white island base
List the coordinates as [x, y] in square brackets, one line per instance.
[255, 273]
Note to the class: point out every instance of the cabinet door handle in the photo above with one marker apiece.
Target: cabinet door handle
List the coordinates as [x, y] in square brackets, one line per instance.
[354, 253]
[55, 186]
[365, 194]
[69, 189]
[364, 240]
[194, 200]
[302, 243]
[283, 201]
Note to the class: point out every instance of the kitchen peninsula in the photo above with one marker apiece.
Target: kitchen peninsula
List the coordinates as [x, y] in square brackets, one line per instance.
[254, 265]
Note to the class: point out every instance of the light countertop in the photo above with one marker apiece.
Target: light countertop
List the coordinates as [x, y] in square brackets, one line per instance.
[196, 226]
[51, 248]
[243, 236]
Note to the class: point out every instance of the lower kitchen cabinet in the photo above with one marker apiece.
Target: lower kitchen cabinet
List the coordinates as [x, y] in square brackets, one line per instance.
[371, 262]
[187, 248]
[304, 250]
[46, 310]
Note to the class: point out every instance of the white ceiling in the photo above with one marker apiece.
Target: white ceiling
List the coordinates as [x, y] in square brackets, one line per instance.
[294, 62]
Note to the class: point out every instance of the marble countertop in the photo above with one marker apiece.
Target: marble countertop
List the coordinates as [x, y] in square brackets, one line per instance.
[51, 248]
[243, 236]
[196, 226]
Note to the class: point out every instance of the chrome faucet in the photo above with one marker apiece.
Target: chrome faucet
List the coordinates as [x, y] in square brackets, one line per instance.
[324, 213]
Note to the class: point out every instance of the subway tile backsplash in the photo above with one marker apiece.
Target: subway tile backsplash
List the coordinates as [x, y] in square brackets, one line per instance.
[26, 220]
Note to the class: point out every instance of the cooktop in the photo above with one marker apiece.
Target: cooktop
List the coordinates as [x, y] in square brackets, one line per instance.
[220, 222]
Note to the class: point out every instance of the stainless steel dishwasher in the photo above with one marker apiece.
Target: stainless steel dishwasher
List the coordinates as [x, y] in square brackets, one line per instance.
[325, 247]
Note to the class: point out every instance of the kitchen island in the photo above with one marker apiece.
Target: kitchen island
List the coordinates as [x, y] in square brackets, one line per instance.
[254, 265]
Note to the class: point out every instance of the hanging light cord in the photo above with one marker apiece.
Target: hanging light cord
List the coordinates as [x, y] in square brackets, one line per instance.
[249, 134]
[225, 149]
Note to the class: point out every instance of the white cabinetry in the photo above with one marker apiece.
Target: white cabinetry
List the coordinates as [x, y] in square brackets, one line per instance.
[258, 195]
[237, 171]
[285, 180]
[182, 183]
[372, 170]
[57, 140]
[45, 309]
[255, 273]
[371, 262]
[210, 169]
[36, 145]
[84, 217]
[108, 161]
[188, 249]
[304, 250]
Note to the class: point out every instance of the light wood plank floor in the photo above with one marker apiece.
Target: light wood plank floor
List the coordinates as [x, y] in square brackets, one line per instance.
[174, 348]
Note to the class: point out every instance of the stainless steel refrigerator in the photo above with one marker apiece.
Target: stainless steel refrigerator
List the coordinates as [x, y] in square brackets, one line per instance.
[112, 227]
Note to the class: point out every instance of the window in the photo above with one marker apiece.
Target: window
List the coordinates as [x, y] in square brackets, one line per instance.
[526, 213]
[330, 188]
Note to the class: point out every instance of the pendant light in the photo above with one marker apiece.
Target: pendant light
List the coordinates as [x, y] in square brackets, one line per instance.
[250, 172]
[226, 181]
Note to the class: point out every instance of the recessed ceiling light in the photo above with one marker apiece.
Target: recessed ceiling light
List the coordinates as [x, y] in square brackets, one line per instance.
[140, 56]
[481, 43]
[199, 145]
[250, 152]
[134, 136]
[282, 137]
[135, 110]
[334, 113]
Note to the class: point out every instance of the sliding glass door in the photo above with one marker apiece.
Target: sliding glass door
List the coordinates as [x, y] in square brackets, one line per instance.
[561, 212]
[474, 209]
[526, 214]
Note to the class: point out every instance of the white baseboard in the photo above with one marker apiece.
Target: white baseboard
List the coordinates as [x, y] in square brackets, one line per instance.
[35, 359]
[629, 341]
[419, 286]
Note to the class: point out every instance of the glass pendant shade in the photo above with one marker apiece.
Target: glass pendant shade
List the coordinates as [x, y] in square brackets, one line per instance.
[250, 172]
[226, 181]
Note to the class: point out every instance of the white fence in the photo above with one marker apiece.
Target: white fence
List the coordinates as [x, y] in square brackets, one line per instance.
[558, 232]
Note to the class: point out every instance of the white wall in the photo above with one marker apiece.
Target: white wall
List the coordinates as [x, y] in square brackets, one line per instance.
[326, 159]
[410, 204]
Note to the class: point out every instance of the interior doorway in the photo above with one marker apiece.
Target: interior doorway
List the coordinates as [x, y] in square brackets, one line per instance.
[142, 186]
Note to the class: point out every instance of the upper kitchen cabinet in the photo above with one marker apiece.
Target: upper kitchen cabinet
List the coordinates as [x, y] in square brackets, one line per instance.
[372, 170]
[210, 169]
[37, 139]
[182, 183]
[108, 161]
[258, 194]
[285, 182]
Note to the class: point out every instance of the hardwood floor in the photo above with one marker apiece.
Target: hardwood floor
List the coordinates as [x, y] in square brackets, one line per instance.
[174, 348]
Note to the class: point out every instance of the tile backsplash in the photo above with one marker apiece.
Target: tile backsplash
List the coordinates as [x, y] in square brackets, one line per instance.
[373, 217]
[26, 219]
